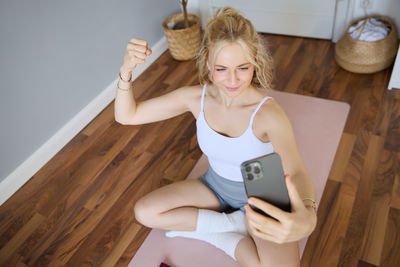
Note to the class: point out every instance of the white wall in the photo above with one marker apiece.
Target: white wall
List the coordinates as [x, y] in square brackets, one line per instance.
[346, 11]
[350, 10]
[193, 7]
[390, 8]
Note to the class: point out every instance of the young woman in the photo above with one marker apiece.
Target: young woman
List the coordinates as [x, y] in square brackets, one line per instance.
[236, 121]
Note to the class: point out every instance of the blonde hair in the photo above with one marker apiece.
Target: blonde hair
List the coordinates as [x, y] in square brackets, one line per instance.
[229, 26]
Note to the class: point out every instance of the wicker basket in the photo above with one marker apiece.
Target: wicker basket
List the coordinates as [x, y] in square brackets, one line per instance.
[367, 57]
[183, 44]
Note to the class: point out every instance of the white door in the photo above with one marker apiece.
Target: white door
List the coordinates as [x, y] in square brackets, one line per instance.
[308, 18]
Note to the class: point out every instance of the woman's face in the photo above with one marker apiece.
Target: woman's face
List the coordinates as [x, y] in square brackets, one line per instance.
[232, 72]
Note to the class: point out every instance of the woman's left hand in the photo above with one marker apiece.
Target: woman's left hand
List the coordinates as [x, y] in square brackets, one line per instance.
[290, 226]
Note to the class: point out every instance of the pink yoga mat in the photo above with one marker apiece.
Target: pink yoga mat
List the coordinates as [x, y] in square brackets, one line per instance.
[318, 125]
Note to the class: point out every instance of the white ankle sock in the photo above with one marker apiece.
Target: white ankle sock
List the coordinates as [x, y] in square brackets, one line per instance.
[209, 221]
[226, 241]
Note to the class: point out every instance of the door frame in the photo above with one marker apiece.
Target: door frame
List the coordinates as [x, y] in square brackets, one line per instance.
[344, 15]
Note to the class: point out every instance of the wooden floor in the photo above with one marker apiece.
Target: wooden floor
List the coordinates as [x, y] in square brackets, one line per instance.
[78, 209]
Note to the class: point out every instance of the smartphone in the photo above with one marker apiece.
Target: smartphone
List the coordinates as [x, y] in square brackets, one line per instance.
[264, 178]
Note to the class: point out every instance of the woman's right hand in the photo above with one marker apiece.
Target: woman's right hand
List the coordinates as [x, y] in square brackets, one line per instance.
[136, 53]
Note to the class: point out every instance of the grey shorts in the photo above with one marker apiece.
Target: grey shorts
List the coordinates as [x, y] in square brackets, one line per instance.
[231, 195]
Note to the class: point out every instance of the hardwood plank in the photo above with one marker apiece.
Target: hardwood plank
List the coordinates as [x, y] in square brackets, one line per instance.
[344, 151]
[121, 245]
[312, 251]
[47, 225]
[375, 228]
[289, 55]
[331, 236]
[295, 49]
[168, 129]
[311, 84]
[336, 83]
[20, 237]
[383, 117]
[133, 247]
[390, 251]
[357, 84]
[178, 74]
[299, 72]
[393, 131]
[395, 200]
[116, 220]
[86, 169]
[361, 207]
[363, 113]
[332, 232]
[365, 264]
[68, 184]
[280, 55]
[37, 255]
[61, 218]
[13, 261]
[62, 227]
[102, 121]
[17, 210]
[353, 169]
[110, 194]
[108, 231]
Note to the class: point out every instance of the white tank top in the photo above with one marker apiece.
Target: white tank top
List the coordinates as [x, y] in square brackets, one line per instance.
[225, 154]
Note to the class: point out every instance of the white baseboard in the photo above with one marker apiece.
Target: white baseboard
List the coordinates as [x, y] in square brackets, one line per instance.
[40, 157]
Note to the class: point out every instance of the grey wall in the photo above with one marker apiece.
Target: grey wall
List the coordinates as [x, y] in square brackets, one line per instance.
[56, 56]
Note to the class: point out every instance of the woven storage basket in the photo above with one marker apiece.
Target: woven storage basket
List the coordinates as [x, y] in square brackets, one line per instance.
[367, 57]
[183, 44]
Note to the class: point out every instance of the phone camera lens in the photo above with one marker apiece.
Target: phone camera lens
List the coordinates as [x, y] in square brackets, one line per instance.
[248, 168]
[250, 176]
[257, 170]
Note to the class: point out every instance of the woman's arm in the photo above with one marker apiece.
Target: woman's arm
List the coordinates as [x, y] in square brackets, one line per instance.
[280, 132]
[127, 110]
[301, 221]
[172, 104]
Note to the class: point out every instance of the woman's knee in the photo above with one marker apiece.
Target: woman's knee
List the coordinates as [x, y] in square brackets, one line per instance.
[279, 255]
[145, 212]
[268, 254]
[150, 207]
[149, 210]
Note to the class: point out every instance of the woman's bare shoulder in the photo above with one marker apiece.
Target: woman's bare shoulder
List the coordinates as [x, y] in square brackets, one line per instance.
[272, 114]
[273, 125]
[192, 97]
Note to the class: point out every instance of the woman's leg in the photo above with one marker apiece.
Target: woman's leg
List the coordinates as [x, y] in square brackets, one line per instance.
[253, 251]
[175, 206]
